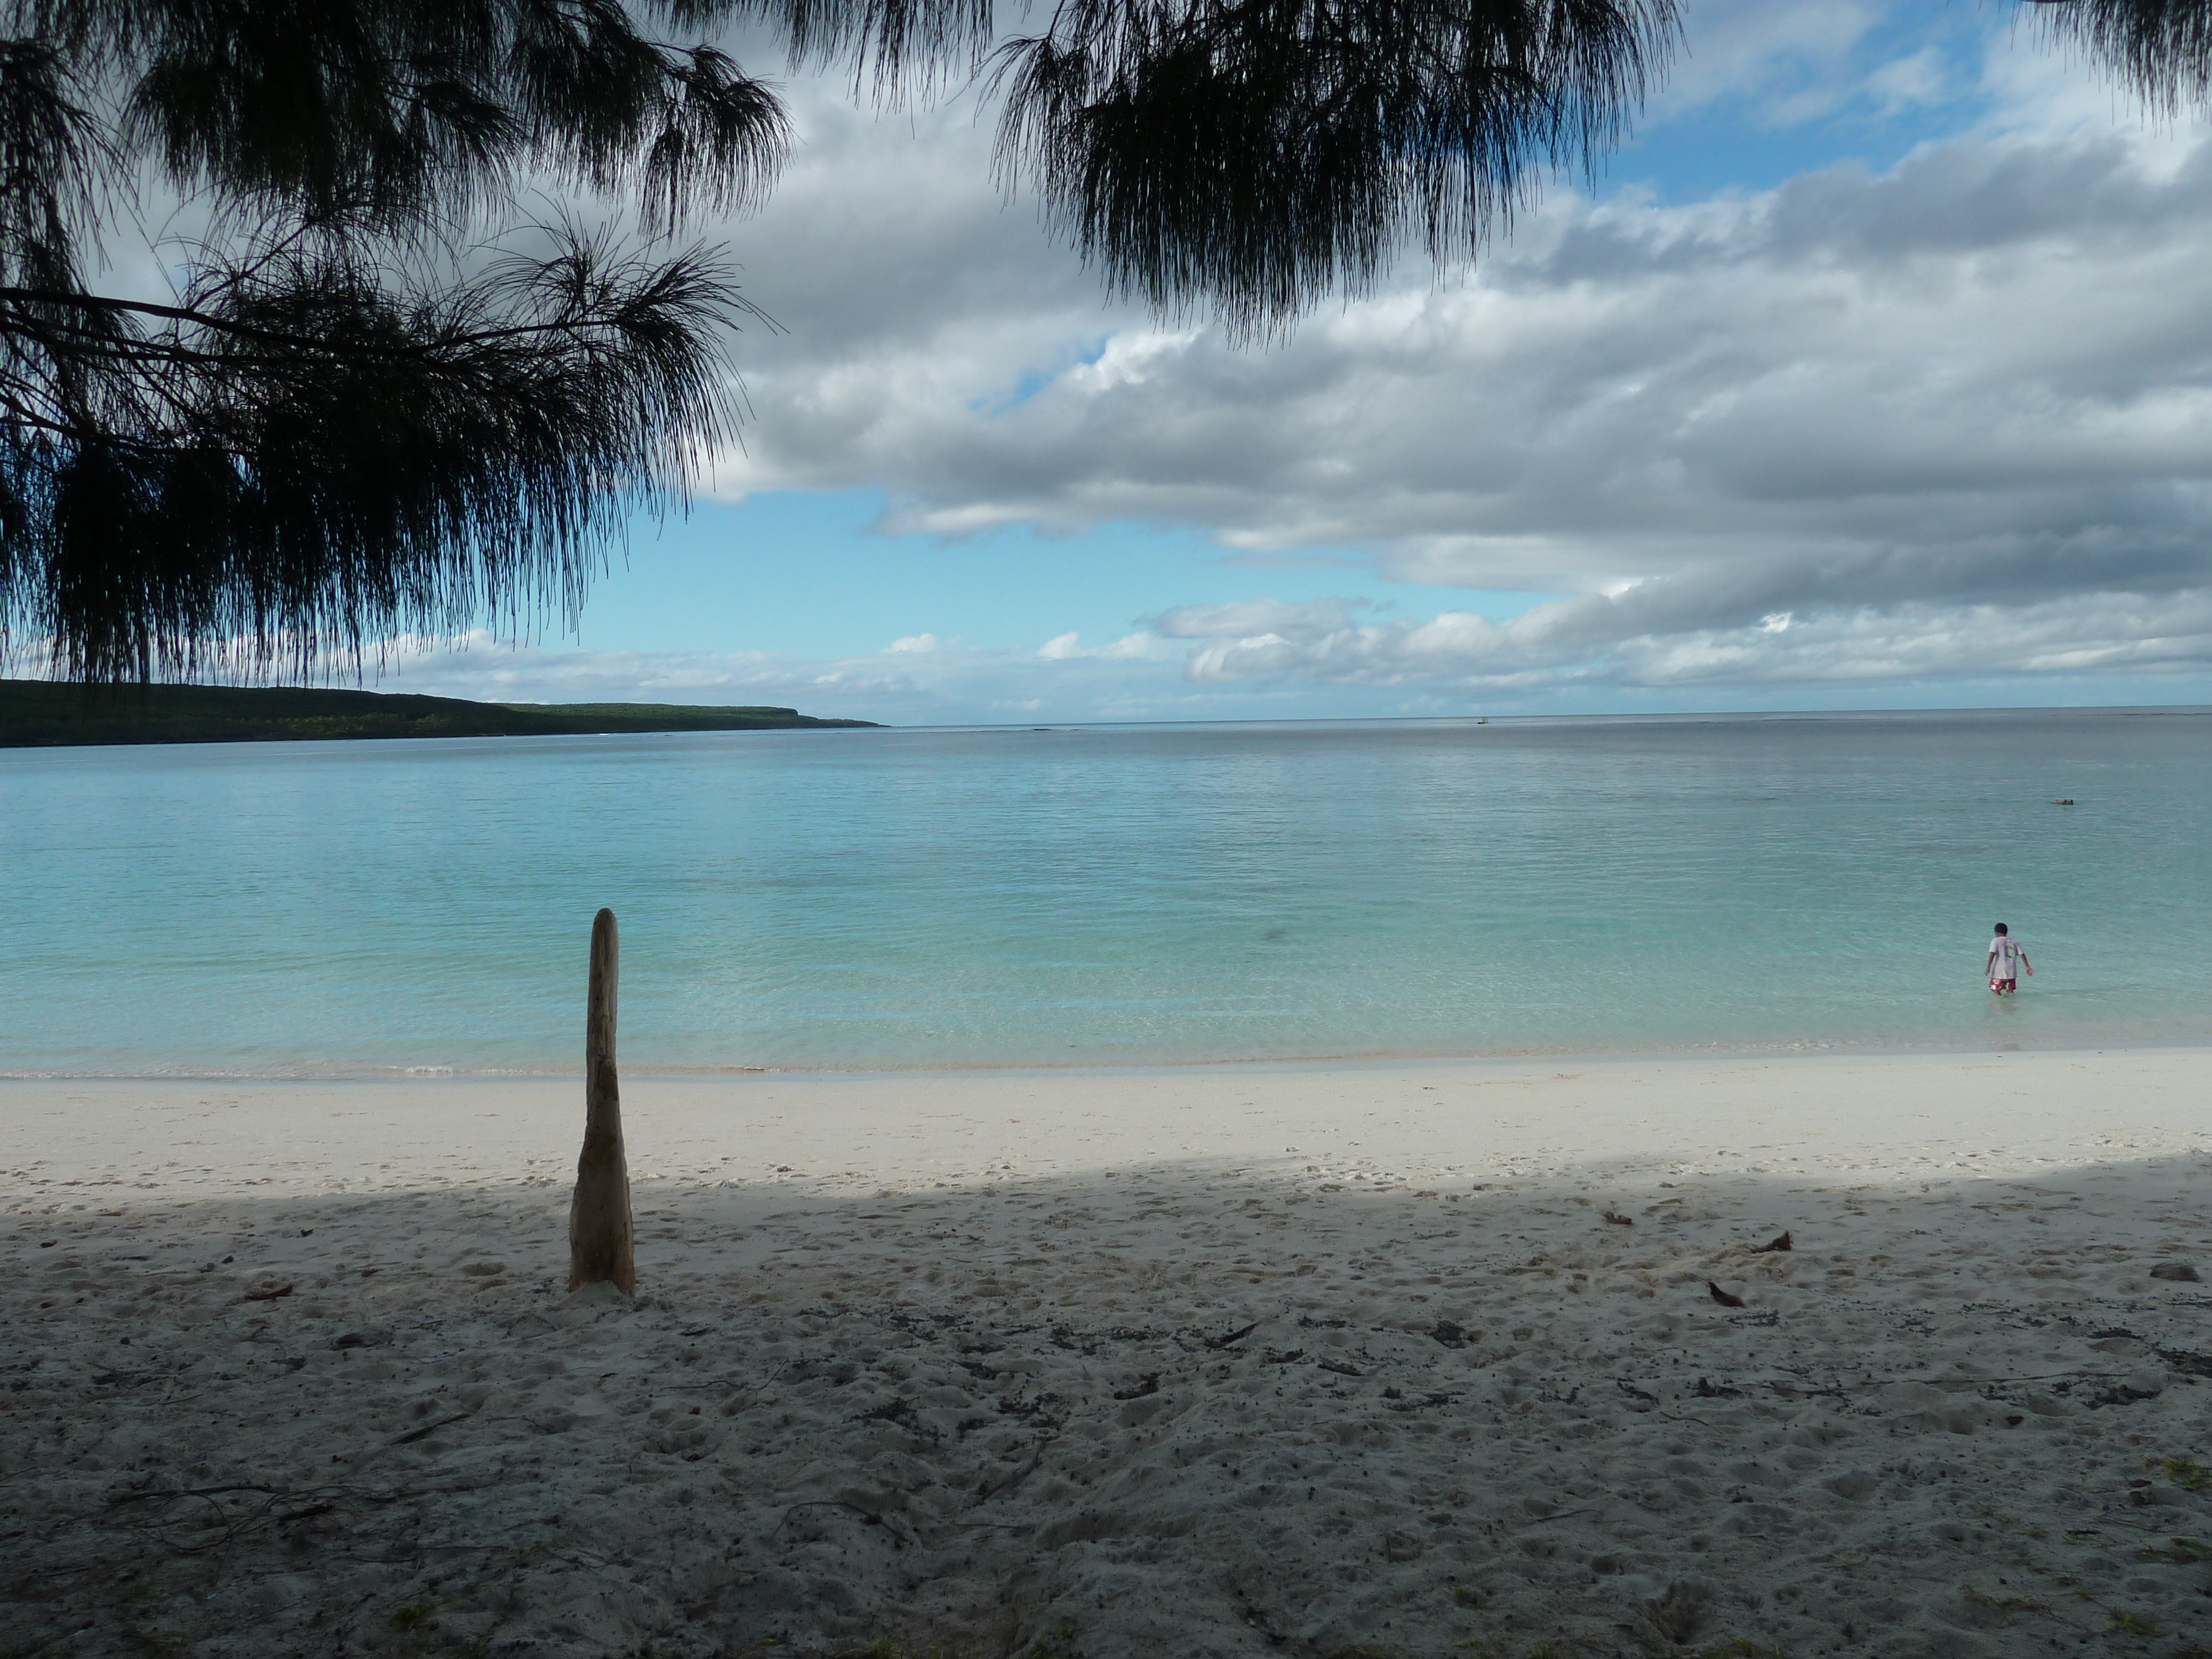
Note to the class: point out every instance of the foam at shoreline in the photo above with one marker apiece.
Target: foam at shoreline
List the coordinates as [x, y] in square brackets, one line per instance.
[1701, 1053]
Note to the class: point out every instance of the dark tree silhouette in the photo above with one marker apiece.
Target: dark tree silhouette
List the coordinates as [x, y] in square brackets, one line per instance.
[1253, 156]
[370, 393]
[2159, 49]
[376, 398]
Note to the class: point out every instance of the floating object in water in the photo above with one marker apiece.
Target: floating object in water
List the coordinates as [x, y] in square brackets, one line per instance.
[2062, 800]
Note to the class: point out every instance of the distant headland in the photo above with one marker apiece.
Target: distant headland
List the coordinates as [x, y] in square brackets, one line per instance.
[38, 714]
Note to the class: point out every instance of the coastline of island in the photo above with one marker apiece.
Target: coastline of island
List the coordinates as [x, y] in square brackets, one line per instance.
[49, 713]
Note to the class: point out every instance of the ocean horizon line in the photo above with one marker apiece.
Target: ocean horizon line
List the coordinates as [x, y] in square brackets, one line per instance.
[1044, 723]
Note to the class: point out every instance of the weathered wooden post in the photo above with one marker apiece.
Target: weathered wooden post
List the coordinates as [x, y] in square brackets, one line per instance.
[600, 1244]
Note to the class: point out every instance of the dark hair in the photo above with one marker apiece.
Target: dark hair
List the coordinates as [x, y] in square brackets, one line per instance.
[2002, 928]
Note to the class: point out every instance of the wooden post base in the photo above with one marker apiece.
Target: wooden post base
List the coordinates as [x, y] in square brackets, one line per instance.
[601, 1243]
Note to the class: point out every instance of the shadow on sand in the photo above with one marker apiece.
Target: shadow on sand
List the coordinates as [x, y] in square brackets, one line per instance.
[1177, 1411]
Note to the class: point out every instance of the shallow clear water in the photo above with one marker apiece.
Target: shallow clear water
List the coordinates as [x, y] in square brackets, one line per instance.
[1108, 895]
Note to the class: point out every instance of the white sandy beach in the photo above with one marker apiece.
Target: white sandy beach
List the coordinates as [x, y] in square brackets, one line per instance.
[1310, 1361]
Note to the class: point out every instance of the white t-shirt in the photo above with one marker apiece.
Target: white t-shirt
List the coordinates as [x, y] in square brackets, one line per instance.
[2004, 952]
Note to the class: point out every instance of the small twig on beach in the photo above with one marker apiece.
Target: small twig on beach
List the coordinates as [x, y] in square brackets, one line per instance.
[2154, 1528]
[1784, 1243]
[1723, 1296]
[1233, 1336]
[427, 1429]
[268, 1295]
[1975, 1382]
[339, 1493]
[986, 1493]
[235, 1523]
[868, 1515]
[121, 1499]
[1793, 1390]
[1614, 1219]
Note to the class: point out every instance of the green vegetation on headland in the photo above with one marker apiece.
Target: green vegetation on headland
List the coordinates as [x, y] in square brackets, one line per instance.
[38, 713]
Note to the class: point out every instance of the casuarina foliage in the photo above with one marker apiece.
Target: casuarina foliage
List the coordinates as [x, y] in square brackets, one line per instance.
[2158, 49]
[376, 396]
[291, 364]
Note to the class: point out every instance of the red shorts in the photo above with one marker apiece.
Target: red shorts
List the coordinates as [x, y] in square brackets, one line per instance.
[2004, 986]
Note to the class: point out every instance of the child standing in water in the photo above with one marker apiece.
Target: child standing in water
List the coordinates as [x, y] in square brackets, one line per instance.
[2006, 960]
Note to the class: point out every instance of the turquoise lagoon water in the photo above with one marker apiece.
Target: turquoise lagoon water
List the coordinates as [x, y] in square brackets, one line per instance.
[1108, 895]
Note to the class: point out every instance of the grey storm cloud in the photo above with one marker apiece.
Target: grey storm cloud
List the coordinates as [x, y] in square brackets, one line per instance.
[1955, 418]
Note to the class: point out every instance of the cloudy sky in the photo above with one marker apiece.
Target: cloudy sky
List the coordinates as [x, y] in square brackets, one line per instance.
[1876, 372]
